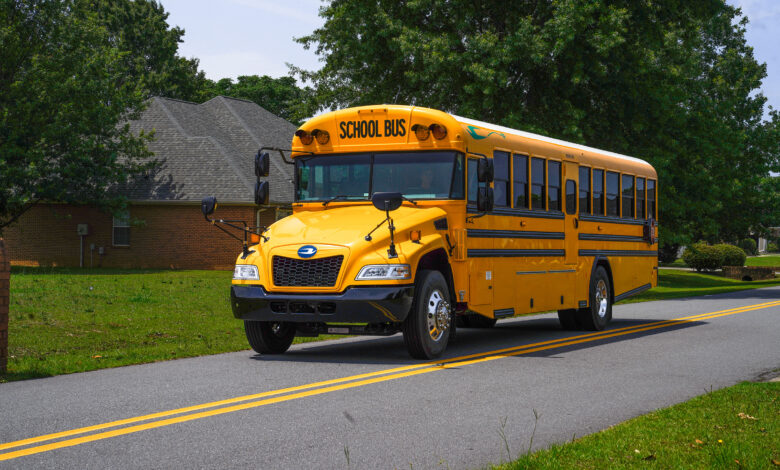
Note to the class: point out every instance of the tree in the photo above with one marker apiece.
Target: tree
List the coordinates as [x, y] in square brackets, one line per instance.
[673, 82]
[140, 27]
[280, 96]
[63, 97]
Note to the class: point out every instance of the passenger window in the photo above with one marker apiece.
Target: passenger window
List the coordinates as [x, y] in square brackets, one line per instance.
[537, 183]
[501, 178]
[520, 181]
[628, 196]
[598, 192]
[640, 198]
[584, 190]
[651, 198]
[473, 184]
[613, 194]
[554, 185]
[571, 197]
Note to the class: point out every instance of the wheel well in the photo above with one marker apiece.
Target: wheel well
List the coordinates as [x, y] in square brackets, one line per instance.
[438, 260]
[605, 264]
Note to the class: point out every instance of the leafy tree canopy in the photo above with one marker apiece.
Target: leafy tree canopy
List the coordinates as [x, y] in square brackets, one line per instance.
[64, 93]
[673, 82]
[280, 96]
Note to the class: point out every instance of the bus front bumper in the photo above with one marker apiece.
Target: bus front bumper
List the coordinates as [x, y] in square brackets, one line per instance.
[378, 304]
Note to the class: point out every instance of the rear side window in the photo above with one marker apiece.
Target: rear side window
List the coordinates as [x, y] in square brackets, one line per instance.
[613, 194]
[651, 198]
[520, 181]
[554, 185]
[537, 183]
[501, 178]
[584, 190]
[640, 198]
[598, 192]
[628, 196]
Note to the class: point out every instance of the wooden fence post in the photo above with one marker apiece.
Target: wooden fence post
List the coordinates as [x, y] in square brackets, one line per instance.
[5, 281]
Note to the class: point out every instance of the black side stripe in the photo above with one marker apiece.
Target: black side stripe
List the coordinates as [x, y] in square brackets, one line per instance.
[494, 253]
[611, 238]
[504, 312]
[627, 294]
[484, 233]
[618, 253]
[611, 220]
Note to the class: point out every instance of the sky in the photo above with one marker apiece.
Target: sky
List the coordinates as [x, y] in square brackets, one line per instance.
[255, 37]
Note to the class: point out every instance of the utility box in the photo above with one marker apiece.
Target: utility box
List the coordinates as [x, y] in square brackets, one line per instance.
[82, 229]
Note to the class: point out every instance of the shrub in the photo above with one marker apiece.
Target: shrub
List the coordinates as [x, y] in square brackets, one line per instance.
[749, 245]
[701, 256]
[732, 255]
[772, 247]
[667, 252]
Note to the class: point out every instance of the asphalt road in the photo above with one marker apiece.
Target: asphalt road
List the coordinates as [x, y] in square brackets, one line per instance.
[384, 410]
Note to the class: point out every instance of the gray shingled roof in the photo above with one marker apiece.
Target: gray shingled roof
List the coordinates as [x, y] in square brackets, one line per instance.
[208, 150]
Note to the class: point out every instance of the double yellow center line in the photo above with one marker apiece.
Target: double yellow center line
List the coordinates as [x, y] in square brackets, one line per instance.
[204, 410]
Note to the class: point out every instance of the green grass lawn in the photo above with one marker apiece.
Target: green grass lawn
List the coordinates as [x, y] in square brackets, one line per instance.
[736, 427]
[770, 260]
[72, 320]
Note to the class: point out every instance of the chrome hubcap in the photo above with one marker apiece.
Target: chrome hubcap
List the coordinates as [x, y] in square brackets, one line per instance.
[602, 297]
[438, 315]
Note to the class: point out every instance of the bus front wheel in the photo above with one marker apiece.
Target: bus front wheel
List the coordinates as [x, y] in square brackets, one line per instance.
[427, 327]
[596, 316]
[267, 337]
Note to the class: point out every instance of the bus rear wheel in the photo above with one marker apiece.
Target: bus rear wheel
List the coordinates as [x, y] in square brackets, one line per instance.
[269, 337]
[427, 327]
[596, 316]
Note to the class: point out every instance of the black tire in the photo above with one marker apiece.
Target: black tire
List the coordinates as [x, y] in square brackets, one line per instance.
[568, 319]
[476, 320]
[426, 328]
[269, 337]
[599, 312]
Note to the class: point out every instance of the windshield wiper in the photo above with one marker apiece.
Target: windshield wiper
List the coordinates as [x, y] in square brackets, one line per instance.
[335, 198]
[407, 199]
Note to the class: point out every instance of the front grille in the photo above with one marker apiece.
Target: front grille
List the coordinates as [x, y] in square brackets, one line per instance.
[321, 272]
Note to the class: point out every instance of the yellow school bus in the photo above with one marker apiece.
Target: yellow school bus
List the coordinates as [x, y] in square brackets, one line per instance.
[413, 220]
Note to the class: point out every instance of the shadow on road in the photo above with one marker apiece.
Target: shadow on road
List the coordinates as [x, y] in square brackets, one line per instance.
[509, 334]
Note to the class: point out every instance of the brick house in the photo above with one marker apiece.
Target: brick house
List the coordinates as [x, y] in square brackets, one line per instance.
[204, 149]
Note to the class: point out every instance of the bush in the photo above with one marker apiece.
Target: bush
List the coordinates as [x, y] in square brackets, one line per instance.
[701, 256]
[749, 245]
[772, 247]
[732, 255]
[667, 252]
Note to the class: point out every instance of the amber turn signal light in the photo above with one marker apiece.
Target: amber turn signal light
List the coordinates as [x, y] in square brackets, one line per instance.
[305, 137]
[322, 136]
[421, 132]
[254, 238]
[439, 131]
[415, 236]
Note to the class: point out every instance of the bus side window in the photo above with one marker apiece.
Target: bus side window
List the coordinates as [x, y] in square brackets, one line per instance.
[473, 184]
[571, 197]
[640, 198]
[613, 194]
[501, 178]
[554, 185]
[598, 192]
[628, 196]
[651, 198]
[520, 181]
[584, 190]
[537, 183]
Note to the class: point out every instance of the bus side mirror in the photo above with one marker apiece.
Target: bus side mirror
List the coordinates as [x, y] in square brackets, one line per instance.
[262, 164]
[387, 201]
[485, 199]
[207, 205]
[485, 170]
[261, 193]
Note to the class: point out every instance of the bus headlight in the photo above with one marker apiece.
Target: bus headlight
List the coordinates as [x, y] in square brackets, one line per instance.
[246, 272]
[384, 272]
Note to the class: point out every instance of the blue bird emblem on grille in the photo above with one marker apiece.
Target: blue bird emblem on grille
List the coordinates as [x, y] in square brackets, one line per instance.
[307, 251]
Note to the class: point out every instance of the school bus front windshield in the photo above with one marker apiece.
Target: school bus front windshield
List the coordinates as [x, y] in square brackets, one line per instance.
[416, 175]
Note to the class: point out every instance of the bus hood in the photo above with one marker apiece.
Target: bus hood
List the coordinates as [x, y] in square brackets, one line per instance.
[348, 226]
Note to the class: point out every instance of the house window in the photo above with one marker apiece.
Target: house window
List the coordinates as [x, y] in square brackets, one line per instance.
[121, 232]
